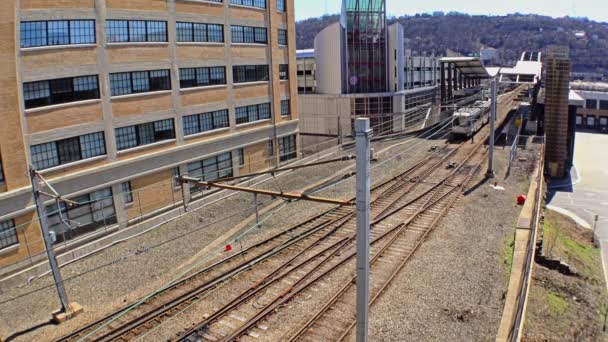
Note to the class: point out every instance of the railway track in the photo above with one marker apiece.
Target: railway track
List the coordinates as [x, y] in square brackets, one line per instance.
[397, 232]
[128, 323]
[403, 207]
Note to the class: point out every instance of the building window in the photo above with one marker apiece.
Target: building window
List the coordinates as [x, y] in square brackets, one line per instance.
[124, 83]
[144, 134]
[270, 148]
[287, 148]
[127, 193]
[285, 107]
[205, 122]
[58, 91]
[250, 73]
[131, 31]
[248, 34]
[1, 173]
[176, 175]
[199, 33]
[252, 113]
[604, 104]
[210, 169]
[591, 104]
[281, 5]
[94, 210]
[282, 37]
[68, 150]
[241, 152]
[591, 121]
[201, 77]
[251, 3]
[283, 71]
[8, 234]
[57, 32]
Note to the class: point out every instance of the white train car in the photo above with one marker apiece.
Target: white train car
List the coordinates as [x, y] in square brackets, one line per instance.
[469, 120]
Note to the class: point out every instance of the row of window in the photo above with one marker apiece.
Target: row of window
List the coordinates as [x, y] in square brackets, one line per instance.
[92, 145]
[97, 209]
[77, 32]
[593, 104]
[64, 90]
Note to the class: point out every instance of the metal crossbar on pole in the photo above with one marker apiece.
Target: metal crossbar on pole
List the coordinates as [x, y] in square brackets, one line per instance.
[44, 226]
[362, 137]
[286, 195]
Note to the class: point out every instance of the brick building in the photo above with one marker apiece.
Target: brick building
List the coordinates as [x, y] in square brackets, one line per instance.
[110, 98]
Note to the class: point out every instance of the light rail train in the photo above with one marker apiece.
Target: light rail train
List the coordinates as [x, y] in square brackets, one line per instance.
[469, 120]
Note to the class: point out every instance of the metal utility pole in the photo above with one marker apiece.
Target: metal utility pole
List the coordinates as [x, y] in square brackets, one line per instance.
[597, 218]
[362, 139]
[50, 252]
[494, 94]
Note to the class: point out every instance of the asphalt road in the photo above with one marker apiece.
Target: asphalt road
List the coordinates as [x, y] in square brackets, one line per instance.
[586, 194]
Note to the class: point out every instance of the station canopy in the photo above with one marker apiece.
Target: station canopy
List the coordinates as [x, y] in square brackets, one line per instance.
[470, 67]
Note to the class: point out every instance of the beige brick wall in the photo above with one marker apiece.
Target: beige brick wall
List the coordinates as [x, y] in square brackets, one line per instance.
[244, 92]
[35, 4]
[194, 52]
[247, 13]
[30, 240]
[255, 52]
[194, 97]
[31, 61]
[256, 159]
[141, 104]
[151, 193]
[125, 54]
[63, 117]
[184, 6]
[148, 5]
[12, 146]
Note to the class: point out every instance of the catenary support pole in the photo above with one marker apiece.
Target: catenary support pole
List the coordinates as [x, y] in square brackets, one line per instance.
[257, 212]
[494, 92]
[50, 252]
[362, 137]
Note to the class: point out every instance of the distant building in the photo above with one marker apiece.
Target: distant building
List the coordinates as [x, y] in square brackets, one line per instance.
[306, 71]
[591, 100]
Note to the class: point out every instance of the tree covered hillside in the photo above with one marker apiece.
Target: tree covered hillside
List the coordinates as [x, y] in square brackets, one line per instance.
[510, 34]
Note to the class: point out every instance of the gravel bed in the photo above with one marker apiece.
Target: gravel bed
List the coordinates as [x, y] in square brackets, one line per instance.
[109, 288]
[453, 287]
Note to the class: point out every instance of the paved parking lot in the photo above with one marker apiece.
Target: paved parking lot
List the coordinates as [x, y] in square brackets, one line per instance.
[587, 195]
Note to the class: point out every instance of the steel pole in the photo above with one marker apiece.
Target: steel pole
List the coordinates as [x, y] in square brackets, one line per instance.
[597, 218]
[50, 252]
[493, 84]
[362, 136]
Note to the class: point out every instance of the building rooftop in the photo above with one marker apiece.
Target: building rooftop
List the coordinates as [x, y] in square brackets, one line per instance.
[469, 66]
[306, 53]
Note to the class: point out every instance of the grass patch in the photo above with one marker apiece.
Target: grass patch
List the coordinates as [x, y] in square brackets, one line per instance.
[507, 254]
[557, 305]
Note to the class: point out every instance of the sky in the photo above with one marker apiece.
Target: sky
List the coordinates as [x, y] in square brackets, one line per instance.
[593, 9]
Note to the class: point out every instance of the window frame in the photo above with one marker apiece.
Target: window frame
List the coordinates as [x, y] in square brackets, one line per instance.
[201, 118]
[282, 37]
[69, 36]
[285, 103]
[141, 133]
[250, 73]
[192, 34]
[250, 3]
[197, 72]
[52, 151]
[208, 167]
[130, 31]
[132, 84]
[281, 6]
[9, 229]
[248, 34]
[127, 192]
[288, 141]
[252, 111]
[55, 91]
[284, 72]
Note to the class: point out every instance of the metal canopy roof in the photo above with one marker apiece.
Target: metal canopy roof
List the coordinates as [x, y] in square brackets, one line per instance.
[468, 66]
